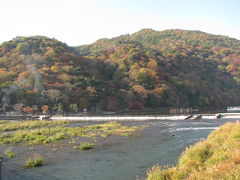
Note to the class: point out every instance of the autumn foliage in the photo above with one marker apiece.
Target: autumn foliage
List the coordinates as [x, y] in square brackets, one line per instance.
[45, 109]
[28, 109]
[147, 69]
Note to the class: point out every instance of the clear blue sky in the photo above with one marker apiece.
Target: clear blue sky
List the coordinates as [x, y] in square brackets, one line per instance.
[78, 22]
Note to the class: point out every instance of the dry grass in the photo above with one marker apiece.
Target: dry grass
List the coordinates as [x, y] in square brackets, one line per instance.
[12, 126]
[9, 153]
[217, 157]
[34, 161]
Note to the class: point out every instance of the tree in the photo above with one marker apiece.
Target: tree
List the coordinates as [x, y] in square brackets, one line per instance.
[137, 105]
[74, 108]
[55, 69]
[27, 109]
[54, 95]
[141, 91]
[18, 106]
[24, 48]
[60, 107]
[45, 109]
[91, 93]
[82, 103]
[112, 104]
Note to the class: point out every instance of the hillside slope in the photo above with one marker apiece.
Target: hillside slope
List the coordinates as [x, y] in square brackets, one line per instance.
[172, 67]
[148, 69]
[37, 71]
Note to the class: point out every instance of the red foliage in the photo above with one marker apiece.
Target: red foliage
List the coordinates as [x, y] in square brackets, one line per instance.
[112, 104]
[137, 105]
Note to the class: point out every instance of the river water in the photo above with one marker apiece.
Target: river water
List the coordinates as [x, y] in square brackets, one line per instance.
[127, 158]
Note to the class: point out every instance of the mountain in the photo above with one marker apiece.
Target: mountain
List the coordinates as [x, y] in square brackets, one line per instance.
[147, 69]
[172, 67]
[37, 71]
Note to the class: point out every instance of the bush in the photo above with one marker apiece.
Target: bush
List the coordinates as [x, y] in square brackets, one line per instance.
[86, 146]
[34, 161]
[9, 153]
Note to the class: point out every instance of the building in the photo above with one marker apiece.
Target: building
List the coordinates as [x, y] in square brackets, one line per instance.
[233, 108]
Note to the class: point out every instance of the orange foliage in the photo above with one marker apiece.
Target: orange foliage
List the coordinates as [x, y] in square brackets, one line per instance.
[159, 91]
[153, 64]
[140, 90]
[28, 109]
[45, 109]
[2, 71]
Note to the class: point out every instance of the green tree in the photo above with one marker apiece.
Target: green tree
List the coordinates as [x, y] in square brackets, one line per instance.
[60, 107]
[74, 108]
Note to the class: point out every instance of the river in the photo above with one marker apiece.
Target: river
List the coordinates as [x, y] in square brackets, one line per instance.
[127, 158]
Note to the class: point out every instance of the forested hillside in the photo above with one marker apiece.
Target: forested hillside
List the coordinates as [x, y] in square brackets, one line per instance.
[38, 71]
[148, 69]
[171, 68]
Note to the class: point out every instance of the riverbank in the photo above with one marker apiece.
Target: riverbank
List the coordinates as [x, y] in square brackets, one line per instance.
[217, 157]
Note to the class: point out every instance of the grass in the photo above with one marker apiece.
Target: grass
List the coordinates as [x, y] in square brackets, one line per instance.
[34, 161]
[86, 146]
[32, 148]
[217, 157]
[46, 132]
[9, 153]
[3, 121]
[12, 126]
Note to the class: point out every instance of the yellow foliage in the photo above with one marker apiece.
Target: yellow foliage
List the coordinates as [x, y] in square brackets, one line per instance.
[91, 89]
[65, 77]
[67, 68]
[159, 91]
[45, 69]
[50, 53]
[55, 69]
[153, 64]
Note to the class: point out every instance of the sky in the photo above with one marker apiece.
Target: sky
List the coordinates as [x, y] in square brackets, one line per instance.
[78, 22]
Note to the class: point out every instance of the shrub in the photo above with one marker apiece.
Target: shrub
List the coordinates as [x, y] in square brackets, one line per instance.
[9, 153]
[34, 161]
[86, 146]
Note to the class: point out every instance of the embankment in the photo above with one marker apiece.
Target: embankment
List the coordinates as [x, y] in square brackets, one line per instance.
[217, 157]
